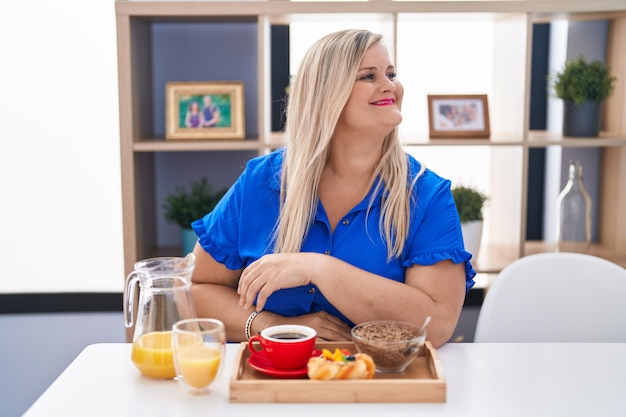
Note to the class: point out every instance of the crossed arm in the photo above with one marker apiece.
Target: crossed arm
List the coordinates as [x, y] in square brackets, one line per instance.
[437, 291]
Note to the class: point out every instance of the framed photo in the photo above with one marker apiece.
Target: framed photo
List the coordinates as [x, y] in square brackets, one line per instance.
[204, 110]
[458, 116]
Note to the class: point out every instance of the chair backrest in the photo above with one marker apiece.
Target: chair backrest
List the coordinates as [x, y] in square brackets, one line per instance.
[555, 297]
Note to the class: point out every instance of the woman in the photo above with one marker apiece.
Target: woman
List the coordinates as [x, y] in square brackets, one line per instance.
[341, 226]
[193, 118]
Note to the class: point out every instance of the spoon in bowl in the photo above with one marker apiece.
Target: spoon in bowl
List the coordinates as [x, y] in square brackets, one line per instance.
[426, 321]
[411, 347]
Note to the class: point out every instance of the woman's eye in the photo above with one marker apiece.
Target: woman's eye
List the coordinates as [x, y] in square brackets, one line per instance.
[372, 76]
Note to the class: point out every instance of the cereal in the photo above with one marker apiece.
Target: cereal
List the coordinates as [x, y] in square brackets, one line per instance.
[392, 344]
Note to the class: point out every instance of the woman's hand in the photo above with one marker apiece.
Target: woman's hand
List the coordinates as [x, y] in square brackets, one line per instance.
[327, 326]
[274, 272]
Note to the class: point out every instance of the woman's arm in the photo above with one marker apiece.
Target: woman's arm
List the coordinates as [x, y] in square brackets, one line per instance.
[214, 294]
[437, 290]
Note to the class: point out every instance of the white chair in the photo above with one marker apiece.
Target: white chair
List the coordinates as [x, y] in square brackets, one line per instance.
[555, 297]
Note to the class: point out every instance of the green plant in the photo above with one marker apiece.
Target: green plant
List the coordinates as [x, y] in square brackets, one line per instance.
[582, 81]
[469, 203]
[183, 207]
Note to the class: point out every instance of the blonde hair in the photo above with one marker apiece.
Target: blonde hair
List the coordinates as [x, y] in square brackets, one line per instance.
[317, 97]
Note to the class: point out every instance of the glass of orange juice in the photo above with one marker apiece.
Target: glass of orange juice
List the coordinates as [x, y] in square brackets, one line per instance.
[198, 347]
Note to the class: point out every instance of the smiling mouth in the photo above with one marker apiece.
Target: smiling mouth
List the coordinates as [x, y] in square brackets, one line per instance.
[385, 102]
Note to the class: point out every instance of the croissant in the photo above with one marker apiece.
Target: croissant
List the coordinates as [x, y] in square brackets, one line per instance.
[360, 367]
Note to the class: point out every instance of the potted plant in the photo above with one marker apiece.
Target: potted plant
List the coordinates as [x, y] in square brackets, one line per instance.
[183, 207]
[469, 203]
[583, 86]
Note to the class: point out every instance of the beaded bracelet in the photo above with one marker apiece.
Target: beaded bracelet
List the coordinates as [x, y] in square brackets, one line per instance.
[249, 324]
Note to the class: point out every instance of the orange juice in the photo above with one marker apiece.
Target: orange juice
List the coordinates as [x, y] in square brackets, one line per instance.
[198, 365]
[152, 355]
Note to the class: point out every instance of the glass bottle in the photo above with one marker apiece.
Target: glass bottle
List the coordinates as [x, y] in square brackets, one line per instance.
[574, 213]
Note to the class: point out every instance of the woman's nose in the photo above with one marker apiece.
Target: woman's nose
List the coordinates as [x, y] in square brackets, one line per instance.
[388, 85]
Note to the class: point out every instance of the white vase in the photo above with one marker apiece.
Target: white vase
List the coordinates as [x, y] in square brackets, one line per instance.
[472, 235]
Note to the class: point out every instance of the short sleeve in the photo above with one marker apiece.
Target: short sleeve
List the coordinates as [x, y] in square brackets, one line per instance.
[218, 230]
[435, 233]
[240, 228]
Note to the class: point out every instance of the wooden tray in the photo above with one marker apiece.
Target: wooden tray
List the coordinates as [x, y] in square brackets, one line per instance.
[422, 381]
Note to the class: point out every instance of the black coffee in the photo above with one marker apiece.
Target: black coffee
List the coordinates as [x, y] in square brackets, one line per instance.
[288, 336]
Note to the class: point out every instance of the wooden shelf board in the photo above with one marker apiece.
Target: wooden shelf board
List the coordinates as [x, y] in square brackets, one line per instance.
[543, 9]
[596, 249]
[160, 145]
[543, 138]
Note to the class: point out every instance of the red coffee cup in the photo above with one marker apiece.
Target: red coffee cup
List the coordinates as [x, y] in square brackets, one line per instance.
[287, 346]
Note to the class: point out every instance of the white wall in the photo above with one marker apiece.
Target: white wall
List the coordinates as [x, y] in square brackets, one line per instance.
[60, 192]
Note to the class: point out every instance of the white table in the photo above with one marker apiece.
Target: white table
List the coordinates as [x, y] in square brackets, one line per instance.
[483, 379]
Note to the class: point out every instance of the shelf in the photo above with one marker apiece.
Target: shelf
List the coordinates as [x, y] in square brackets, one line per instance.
[543, 9]
[542, 139]
[534, 247]
[536, 139]
[157, 145]
[153, 39]
[492, 258]
[611, 12]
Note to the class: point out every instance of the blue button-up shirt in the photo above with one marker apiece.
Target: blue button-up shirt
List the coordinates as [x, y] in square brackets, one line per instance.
[241, 227]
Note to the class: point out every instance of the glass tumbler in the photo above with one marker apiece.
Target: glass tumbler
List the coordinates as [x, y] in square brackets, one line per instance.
[198, 347]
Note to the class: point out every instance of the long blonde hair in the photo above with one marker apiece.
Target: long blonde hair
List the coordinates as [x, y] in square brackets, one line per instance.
[317, 97]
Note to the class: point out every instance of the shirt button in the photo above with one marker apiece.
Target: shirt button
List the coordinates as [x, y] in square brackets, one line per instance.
[327, 252]
[345, 222]
[311, 290]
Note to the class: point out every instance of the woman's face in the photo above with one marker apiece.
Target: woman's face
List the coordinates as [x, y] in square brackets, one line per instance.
[376, 97]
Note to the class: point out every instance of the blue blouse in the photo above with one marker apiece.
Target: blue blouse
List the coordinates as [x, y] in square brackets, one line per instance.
[240, 229]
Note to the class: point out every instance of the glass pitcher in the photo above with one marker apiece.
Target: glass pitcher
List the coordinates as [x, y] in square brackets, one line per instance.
[164, 298]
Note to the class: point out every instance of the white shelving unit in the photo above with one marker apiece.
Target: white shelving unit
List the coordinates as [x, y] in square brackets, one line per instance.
[138, 24]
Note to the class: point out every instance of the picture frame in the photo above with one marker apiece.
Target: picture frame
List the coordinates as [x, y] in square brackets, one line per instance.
[204, 110]
[458, 116]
